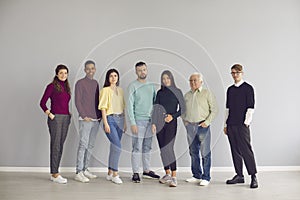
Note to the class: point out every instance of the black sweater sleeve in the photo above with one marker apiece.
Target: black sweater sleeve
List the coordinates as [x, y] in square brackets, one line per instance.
[155, 111]
[181, 104]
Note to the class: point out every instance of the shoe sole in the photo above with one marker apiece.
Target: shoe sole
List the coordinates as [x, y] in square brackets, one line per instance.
[117, 183]
[91, 177]
[60, 182]
[51, 179]
[164, 182]
[80, 180]
[148, 177]
[204, 185]
[235, 182]
[193, 181]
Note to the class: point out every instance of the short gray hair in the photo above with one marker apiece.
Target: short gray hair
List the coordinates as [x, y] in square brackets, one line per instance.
[197, 74]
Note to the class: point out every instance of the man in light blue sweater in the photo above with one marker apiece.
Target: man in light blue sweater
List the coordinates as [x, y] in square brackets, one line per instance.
[141, 96]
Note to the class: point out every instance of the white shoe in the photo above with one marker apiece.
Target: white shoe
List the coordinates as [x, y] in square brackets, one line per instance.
[81, 178]
[109, 177]
[116, 179]
[204, 183]
[193, 180]
[89, 175]
[165, 179]
[59, 179]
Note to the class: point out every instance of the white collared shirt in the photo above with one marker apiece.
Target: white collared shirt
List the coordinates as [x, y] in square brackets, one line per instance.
[238, 84]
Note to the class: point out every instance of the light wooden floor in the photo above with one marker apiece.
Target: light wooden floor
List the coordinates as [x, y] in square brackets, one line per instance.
[31, 186]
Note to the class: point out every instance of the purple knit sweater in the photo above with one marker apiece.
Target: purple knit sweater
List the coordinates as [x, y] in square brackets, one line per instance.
[87, 98]
[59, 100]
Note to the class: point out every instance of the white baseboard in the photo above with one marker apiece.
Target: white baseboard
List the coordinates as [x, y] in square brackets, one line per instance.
[127, 169]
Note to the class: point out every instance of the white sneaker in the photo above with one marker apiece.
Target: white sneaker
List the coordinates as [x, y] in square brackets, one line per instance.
[204, 183]
[109, 177]
[59, 179]
[81, 178]
[89, 175]
[165, 179]
[116, 179]
[193, 180]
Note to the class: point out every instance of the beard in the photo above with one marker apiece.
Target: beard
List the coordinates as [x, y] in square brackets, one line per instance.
[143, 77]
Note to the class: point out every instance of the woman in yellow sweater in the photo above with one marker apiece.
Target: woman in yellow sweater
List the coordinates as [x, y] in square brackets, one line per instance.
[112, 106]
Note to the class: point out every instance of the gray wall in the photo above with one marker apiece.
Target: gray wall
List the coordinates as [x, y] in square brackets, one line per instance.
[205, 36]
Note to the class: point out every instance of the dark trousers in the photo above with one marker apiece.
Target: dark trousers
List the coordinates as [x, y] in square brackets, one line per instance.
[166, 139]
[58, 128]
[240, 144]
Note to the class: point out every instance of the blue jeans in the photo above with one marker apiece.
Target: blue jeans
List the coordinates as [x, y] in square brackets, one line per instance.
[141, 144]
[116, 124]
[88, 132]
[199, 140]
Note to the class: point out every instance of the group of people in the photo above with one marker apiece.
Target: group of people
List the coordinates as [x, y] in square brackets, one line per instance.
[149, 113]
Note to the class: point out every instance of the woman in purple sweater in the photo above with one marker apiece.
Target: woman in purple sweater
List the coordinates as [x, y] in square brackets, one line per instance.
[58, 117]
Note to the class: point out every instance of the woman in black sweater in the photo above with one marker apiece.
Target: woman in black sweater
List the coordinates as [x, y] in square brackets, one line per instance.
[169, 105]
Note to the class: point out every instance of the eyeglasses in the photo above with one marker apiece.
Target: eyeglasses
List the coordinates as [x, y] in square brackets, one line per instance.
[193, 80]
[235, 73]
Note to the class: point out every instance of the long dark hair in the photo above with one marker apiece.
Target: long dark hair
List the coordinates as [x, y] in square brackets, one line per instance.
[56, 83]
[170, 75]
[106, 82]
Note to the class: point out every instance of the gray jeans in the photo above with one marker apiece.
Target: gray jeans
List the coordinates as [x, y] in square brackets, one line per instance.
[88, 132]
[58, 128]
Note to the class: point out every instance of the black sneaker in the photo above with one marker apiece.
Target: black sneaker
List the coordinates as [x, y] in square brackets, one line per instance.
[150, 175]
[136, 178]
